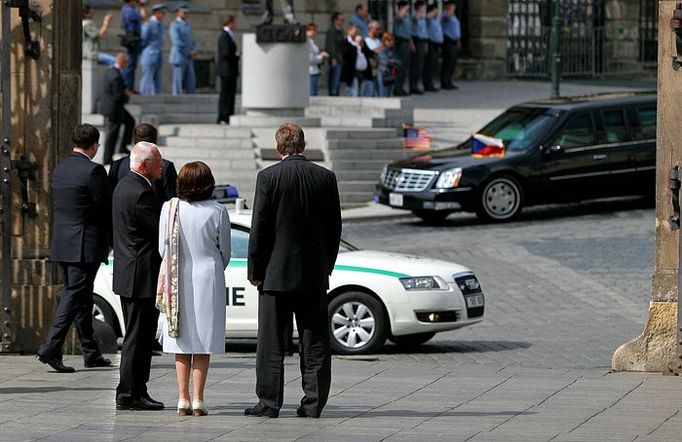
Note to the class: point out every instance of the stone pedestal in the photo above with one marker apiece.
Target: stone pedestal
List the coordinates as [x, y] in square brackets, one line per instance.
[656, 347]
[274, 76]
[92, 75]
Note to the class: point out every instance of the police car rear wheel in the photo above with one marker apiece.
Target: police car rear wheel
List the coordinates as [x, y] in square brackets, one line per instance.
[357, 323]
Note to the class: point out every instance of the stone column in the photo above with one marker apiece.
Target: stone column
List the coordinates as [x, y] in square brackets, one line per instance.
[487, 39]
[621, 36]
[656, 346]
[45, 108]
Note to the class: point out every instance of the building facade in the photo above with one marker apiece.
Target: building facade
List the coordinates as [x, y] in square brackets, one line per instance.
[501, 38]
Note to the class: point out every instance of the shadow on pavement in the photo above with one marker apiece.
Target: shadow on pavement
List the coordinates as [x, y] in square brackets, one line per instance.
[456, 347]
[549, 212]
[33, 390]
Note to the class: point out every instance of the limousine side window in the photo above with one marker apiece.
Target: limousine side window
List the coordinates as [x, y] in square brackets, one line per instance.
[578, 132]
[647, 124]
[616, 129]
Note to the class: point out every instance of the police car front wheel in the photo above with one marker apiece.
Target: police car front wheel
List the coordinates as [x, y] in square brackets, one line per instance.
[357, 323]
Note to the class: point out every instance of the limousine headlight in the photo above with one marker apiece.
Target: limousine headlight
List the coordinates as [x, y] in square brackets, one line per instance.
[449, 179]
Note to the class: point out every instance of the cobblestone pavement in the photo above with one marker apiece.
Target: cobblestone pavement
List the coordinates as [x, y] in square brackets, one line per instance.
[564, 285]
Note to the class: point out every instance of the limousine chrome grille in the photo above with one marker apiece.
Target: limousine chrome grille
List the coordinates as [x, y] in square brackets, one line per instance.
[408, 180]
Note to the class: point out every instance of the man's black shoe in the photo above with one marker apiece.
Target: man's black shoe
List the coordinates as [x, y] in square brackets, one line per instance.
[300, 412]
[153, 401]
[56, 364]
[139, 404]
[260, 410]
[100, 361]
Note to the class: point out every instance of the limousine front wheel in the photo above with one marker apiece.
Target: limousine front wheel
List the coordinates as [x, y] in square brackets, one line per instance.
[501, 199]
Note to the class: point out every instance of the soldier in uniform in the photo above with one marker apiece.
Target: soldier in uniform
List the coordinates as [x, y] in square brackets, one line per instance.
[152, 57]
[182, 53]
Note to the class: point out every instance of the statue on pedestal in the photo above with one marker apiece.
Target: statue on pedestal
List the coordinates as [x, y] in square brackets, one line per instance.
[287, 11]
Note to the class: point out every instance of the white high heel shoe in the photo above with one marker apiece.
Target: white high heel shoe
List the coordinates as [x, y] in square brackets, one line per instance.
[183, 408]
[199, 408]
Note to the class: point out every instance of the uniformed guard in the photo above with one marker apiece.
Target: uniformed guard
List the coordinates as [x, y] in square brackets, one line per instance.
[152, 56]
[182, 53]
[420, 38]
[402, 28]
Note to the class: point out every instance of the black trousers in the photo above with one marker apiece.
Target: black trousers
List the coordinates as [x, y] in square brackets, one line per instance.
[228, 90]
[449, 61]
[402, 50]
[75, 304]
[112, 129]
[274, 312]
[431, 64]
[141, 317]
[417, 64]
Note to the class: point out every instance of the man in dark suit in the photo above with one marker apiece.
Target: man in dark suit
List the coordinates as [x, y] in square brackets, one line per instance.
[165, 187]
[136, 210]
[295, 235]
[227, 69]
[80, 242]
[113, 98]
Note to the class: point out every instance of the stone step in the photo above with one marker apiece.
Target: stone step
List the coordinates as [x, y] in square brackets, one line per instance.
[365, 143]
[358, 175]
[350, 111]
[356, 197]
[271, 121]
[358, 165]
[207, 143]
[194, 154]
[243, 167]
[383, 103]
[357, 186]
[96, 120]
[179, 118]
[361, 133]
[161, 108]
[203, 131]
[208, 99]
[387, 155]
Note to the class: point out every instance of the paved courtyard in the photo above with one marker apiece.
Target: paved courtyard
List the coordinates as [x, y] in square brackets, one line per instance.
[564, 285]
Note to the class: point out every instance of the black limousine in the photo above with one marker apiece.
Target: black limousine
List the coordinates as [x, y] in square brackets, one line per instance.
[550, 151]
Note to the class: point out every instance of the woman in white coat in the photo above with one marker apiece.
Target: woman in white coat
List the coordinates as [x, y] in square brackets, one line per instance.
[194, 233]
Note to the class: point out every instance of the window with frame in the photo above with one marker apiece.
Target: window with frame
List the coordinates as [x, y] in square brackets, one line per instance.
[615, 128]
[647, 124]
[578, 132]
[239, 243]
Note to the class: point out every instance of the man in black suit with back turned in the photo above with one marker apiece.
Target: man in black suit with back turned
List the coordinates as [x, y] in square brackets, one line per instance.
[295, 235]
[136, 210]
[228, 69]
[80, 243]
[164, 187]
[112, 105]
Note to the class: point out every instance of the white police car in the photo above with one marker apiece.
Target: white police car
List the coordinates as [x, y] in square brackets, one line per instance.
[373, 296]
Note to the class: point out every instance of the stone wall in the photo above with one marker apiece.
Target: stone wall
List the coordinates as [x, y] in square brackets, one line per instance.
[45, 109]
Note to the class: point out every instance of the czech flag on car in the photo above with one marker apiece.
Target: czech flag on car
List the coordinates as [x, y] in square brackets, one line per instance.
[485, 146]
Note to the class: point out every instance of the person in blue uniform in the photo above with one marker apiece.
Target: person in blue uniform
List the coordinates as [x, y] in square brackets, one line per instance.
[420, 38]
[182, 53]
[435, 32]
[152, 57]
[452, 34]
[402, 30]
[131, 22]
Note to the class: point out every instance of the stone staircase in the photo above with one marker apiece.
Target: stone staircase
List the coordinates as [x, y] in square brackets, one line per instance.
[354, 137]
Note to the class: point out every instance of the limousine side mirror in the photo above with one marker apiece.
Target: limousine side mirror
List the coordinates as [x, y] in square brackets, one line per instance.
[554, 149]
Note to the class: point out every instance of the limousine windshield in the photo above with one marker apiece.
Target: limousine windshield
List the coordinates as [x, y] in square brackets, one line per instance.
[519, 128]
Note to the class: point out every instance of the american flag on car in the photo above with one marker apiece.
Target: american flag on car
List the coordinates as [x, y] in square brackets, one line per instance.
[416, 138]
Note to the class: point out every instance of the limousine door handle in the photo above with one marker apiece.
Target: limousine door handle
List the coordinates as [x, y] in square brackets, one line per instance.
[600, 156]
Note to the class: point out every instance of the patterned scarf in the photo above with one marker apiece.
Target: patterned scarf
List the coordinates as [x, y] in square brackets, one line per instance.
[167, 286]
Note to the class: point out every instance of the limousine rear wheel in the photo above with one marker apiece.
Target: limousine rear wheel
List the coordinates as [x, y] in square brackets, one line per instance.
[501, 199]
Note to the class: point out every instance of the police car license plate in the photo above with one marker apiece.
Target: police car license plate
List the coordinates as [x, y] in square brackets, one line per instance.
[474, 301]
[395, 199]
